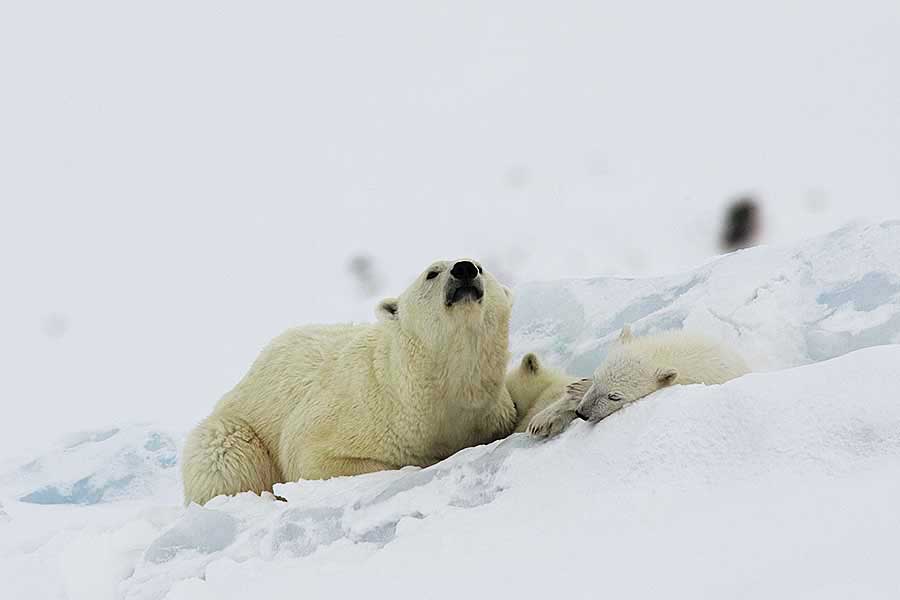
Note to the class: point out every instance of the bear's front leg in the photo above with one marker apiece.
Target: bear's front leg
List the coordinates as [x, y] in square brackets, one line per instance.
[555, 418]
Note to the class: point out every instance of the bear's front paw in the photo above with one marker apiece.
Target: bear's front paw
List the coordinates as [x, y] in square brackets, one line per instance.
[550, 422]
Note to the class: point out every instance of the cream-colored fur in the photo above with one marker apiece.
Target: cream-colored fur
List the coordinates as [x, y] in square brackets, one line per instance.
[321, 401]
[638, 366]
[534, 388]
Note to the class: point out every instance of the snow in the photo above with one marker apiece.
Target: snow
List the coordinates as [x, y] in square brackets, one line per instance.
[97, 466]
[744, 489]
[782, 306]
[779, 484]
[182, 181]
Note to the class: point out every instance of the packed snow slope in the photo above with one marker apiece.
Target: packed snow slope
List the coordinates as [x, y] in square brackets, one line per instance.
[779, 484]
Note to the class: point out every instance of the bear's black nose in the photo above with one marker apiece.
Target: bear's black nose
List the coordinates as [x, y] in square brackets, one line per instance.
[464, 270]
[581, 415]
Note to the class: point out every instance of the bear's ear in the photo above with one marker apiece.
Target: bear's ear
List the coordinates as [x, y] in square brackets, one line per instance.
[530, 363]
[625, 336]
[509, 294]
[388, 310]
[666, 376]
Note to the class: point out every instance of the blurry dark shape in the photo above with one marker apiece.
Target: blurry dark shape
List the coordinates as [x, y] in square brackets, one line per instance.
[55, 325]
[518, 176]
[742, 224]
[362, 268]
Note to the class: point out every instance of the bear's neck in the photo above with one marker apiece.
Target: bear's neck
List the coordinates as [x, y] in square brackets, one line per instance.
[465, 375]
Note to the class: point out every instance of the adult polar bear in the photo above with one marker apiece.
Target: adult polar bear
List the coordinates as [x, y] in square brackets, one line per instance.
[320, 401]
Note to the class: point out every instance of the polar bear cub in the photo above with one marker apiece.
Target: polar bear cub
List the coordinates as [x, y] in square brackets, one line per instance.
[638, 366]
[534, 387]
[321, 401]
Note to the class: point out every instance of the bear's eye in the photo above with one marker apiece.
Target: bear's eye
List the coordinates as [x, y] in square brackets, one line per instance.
[480, 270]
[615, 397]
[432, 274]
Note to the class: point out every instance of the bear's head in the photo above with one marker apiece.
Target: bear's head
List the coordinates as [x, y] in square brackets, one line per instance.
[625, 376]
[448, 298]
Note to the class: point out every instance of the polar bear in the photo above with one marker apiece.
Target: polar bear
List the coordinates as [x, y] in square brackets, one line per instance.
[638, 366]
[534, 388]
[425, 381]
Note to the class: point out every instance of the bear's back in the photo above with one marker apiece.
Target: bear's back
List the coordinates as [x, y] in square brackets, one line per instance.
[285, 371]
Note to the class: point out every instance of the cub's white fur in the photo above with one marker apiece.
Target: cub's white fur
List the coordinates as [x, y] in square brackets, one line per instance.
[320, 401]
[638, 366]
[534, 388]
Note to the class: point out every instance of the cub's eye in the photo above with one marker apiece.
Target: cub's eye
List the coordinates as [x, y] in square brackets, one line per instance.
[432, 274]
[615, 397]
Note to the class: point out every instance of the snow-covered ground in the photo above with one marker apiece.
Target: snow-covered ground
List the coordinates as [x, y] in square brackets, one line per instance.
[780, 484]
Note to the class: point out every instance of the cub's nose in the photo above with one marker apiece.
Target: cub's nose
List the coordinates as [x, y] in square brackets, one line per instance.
[581, 415]
[464, 270]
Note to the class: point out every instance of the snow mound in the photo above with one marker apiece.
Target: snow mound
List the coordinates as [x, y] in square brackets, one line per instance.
[97, 466]
[779, 484]
[781, 307]
[365, 512]
[759, 453]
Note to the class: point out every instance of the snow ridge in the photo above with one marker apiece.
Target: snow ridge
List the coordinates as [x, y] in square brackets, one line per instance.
[781, 307]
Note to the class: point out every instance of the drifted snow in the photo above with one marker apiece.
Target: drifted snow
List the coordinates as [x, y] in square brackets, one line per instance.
[779, 484]
[97, 466]
[781, 307]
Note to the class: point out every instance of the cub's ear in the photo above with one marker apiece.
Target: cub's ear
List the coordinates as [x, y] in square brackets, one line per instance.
[666, 376]
[625, 336]
[388, 310]
[509, 294]
[530, 363]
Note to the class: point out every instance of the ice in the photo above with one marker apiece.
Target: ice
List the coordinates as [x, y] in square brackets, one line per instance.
[83, 491]
[200, 530]
[97, 466]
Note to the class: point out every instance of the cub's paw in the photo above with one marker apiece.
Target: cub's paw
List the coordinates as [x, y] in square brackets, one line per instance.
[550, 422]
[577, 389]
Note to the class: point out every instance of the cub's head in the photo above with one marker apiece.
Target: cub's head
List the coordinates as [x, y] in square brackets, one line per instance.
[448, 296]
[625, 376]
